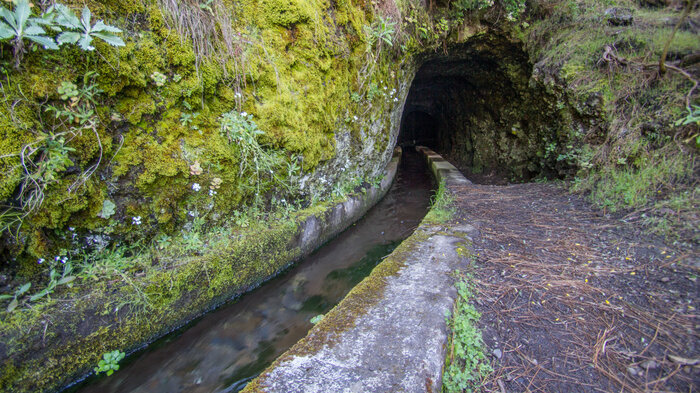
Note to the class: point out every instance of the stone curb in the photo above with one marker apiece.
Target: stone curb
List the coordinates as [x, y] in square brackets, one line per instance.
[389, 333]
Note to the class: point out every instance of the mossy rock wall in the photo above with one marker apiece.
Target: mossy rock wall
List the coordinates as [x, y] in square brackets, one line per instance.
[482, 106]
[291, 64]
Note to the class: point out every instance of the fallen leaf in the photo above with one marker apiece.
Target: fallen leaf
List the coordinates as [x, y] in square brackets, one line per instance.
[684, 361]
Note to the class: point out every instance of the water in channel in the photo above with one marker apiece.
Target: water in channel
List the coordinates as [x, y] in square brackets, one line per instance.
[224, 350]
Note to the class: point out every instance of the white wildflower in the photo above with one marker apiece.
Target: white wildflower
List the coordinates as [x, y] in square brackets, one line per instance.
[41, 260]
[136, 220]
[196, 187]
[212, 192]
[244, 114]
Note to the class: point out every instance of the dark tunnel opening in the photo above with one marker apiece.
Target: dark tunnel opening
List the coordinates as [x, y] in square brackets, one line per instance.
[480, 107]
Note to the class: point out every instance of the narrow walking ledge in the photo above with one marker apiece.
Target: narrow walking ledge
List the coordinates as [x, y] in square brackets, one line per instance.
[29, 362]
[389, 333]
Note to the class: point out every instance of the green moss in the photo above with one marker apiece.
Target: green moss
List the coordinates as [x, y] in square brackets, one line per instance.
[293, 65]
[286, 12]
[15, 123]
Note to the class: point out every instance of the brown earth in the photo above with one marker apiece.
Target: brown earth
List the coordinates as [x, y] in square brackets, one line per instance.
[576, 301]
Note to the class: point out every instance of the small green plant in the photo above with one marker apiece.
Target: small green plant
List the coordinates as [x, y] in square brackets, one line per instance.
[442, 27]
[192, 240]
[581, 157]
[382, 30]
[442, 204]
[11, 220]
[16, 296]
[68, 91]
[16, 25]
[108, 209]
[693, 116]
[110, 362]
[240, 219]
[242, 134]
[79, 107]
[186, 120]
[56, 279]
[106, 262]
[205, 5]
[159, 78]
[42, 162]
[375, 181]
[373, 91]
[316, 319]
[162, 241]
[466, 364]
[83, 31]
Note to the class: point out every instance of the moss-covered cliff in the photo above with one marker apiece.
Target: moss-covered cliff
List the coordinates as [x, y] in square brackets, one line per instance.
[157, 124]
[128, 170]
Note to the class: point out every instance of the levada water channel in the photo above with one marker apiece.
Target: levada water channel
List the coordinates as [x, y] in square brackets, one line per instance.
[224, 350]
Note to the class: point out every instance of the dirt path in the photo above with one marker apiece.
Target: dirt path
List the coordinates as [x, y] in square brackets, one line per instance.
[572, 301]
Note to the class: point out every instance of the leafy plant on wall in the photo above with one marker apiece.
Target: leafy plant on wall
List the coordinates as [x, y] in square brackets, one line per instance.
[17, 25]
[45, 158]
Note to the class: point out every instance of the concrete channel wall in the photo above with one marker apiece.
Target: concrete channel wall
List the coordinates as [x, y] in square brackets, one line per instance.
[389, 333]
[47, 365]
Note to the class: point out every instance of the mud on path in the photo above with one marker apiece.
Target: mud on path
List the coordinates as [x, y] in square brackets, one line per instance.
[573, 301]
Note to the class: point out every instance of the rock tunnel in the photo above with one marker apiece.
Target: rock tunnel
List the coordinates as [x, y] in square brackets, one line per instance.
[479, 105]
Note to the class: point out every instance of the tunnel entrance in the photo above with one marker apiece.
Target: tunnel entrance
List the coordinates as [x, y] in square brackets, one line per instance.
[479, 107]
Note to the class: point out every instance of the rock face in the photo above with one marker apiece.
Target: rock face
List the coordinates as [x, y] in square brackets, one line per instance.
[482, 106]
[158, 106]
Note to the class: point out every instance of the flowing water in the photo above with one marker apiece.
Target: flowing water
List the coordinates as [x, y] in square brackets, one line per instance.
[224, 350]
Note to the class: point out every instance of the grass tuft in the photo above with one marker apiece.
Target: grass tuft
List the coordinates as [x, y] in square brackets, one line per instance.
[442, 205]
[466, 365]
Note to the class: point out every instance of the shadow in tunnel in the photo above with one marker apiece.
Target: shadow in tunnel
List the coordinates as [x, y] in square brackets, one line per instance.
[480, 106]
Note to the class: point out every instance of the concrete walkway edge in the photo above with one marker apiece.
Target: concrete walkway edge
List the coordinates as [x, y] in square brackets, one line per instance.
[389, 333]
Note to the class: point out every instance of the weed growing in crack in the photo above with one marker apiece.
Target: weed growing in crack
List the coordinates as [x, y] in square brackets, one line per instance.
[442, 205]
[466, 365]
